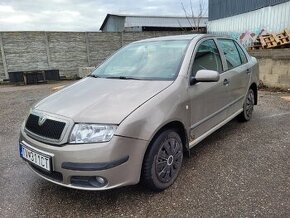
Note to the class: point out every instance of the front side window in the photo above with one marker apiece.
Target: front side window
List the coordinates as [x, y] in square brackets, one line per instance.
[231, 53]
[155, 60]
[207, 57]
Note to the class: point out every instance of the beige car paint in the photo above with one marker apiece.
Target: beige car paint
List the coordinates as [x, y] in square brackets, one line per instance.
[140, 109]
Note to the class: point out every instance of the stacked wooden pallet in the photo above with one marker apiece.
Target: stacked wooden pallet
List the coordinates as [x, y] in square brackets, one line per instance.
[272, 41]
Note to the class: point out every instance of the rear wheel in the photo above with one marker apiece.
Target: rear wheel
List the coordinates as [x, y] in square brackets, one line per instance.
[248, 107]
[162, 161]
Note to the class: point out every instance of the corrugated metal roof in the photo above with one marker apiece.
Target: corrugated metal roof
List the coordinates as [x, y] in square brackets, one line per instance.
[226, 8]
[156, 21]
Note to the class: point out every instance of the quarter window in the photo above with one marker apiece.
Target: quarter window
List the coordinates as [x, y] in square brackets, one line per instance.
[242, 54]
[207, 57]
[231, 53]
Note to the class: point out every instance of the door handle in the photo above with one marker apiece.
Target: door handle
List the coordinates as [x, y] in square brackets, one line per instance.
[248, 71]
[226, 82]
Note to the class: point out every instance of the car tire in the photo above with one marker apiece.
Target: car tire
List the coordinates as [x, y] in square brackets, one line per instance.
[162, 161]
[248, 107]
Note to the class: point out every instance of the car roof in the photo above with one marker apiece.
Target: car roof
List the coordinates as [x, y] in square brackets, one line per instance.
[174, 37]
[179, 37]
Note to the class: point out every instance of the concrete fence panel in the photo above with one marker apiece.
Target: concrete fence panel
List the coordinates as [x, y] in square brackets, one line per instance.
[274, 67]
[68, 52]
[64, 51]
[24, 50]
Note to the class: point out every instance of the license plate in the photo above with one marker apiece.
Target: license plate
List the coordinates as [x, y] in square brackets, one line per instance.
[41, 160]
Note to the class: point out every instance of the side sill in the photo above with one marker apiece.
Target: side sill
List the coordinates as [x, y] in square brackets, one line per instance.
[202, 137]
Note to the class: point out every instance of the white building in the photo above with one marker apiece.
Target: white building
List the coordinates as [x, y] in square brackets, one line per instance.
[247, 19]
[136, 23]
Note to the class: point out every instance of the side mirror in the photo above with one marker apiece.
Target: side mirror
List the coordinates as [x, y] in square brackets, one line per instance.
[205, 76]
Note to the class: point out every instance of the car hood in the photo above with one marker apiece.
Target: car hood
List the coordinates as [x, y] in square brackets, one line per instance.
[100, 100]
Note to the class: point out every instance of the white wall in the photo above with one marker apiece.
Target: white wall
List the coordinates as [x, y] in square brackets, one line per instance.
[249, 25]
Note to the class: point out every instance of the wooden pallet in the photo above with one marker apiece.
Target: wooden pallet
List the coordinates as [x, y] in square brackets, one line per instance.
[274, 40]
[268, 41]
[283, 38]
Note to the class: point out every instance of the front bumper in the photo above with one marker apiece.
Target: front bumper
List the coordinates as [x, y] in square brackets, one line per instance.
[119, 162]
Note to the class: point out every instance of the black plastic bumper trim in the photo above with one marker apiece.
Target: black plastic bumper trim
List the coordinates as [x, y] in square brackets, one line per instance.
[93, 166]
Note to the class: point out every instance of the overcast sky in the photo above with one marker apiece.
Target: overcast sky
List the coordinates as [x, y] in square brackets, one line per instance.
[78, 15]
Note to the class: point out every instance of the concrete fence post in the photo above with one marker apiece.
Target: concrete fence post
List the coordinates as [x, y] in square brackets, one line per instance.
[88, 48]
[47, 49]
[122, 43]
[3, 57]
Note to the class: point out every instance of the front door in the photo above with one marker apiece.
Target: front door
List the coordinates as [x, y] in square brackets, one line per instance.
[208, 100]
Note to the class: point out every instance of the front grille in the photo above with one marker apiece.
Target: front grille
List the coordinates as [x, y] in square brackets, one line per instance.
[50, 129]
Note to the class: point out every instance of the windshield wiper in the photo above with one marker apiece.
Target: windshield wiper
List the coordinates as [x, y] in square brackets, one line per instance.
[95, 76]
[114, 77]
[121, 77]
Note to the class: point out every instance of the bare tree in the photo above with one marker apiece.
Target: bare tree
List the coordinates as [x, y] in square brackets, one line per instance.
[194, 17]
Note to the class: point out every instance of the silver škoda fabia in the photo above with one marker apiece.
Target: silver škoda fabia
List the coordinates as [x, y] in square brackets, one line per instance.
[136, 115]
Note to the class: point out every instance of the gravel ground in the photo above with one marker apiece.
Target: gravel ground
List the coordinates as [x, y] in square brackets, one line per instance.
[242, 170]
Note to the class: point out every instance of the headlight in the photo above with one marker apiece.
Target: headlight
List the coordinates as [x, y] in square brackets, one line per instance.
[89, 133]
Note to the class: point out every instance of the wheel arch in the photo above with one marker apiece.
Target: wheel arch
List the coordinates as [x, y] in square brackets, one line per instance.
[180, 129]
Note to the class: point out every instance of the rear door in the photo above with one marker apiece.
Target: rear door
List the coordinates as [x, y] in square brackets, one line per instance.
[238, 73]
[208, 100]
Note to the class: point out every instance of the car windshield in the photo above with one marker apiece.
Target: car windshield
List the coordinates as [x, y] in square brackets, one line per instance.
[155, 60]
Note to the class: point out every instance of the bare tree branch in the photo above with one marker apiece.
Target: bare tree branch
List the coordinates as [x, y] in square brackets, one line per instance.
[192, 13]
[185, 12]
[194, 21]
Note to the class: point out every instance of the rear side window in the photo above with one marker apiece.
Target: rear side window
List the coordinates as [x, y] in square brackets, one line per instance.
[231, 53]
[242, 54]
[207, 57]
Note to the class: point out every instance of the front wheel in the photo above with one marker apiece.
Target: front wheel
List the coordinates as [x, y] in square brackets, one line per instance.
[162, 161]
[248, 107]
